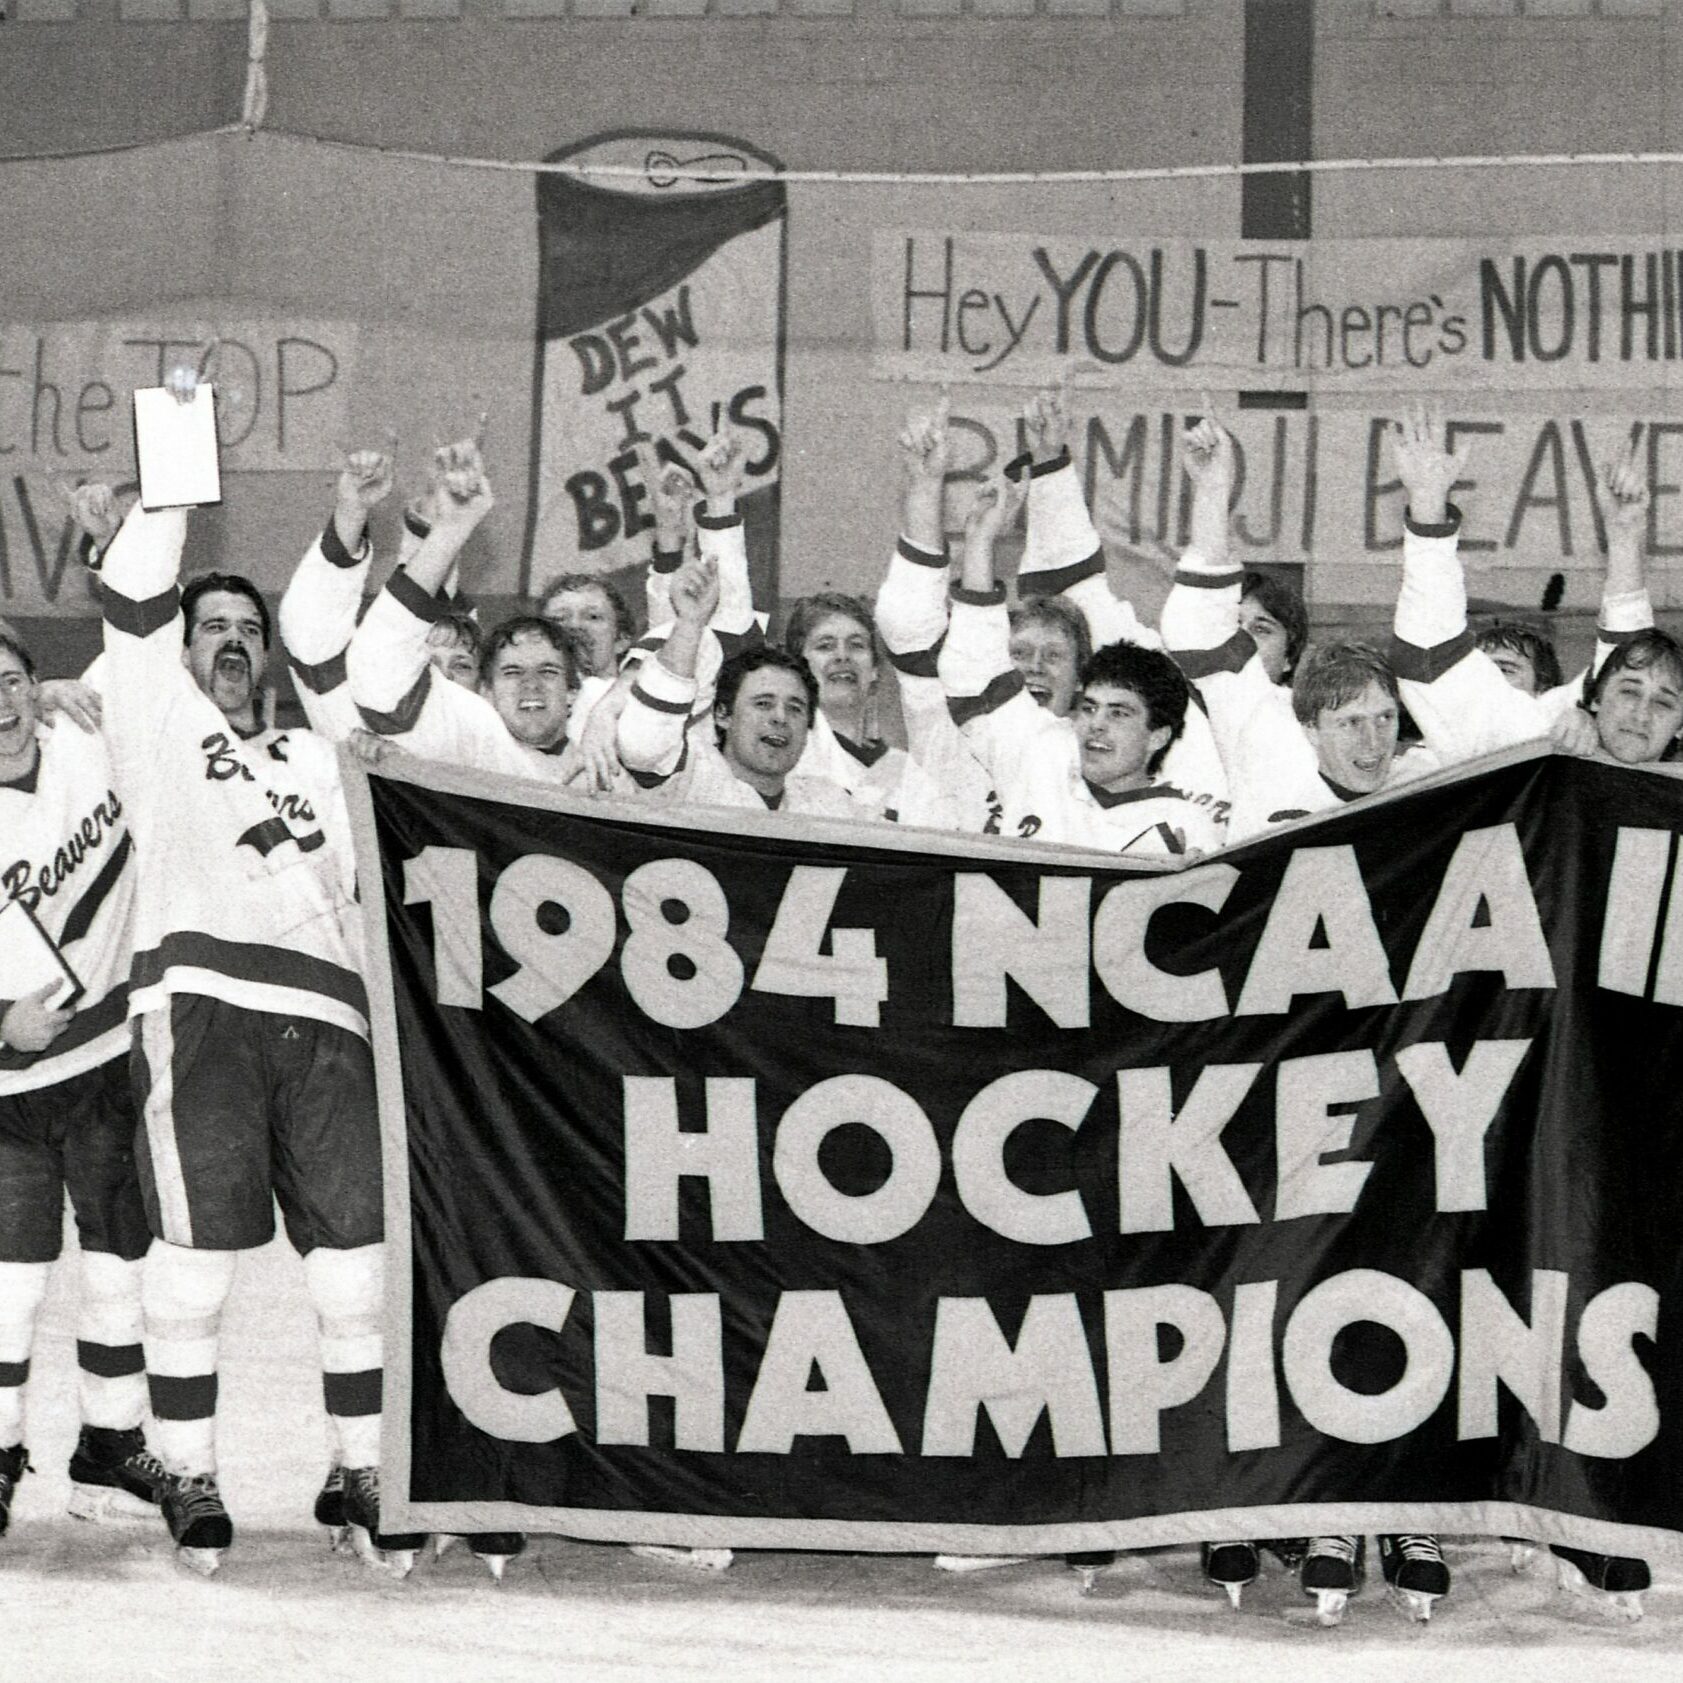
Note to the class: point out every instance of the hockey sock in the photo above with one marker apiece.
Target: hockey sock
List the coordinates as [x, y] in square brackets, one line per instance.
[22, 1287]
[111, 1364]
[182, 1292]
[345, 1287]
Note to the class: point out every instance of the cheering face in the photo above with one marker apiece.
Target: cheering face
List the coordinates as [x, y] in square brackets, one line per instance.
[451, 656]
[838, 649]
[1639, 712]
[766, 727]
[19, 715]
[1516, 668]
[531, 686]
[225, 650]
[1114, 733]
[1273, 646]
[1356, 743]
[587, 612]
[1046, 657]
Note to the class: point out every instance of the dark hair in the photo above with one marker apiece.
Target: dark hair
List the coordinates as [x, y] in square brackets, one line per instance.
[624, 625]
[1153, 677]
[1334, 674]
[1062, 614]
[236, 584]
[15, 646]
[762, 655]
[1525, 640]
[809, 610]
[464, 629]
[1281, 601]
[558, 637]
[1652, 647]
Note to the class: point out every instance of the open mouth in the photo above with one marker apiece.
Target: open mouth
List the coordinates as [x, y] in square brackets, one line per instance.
[233, 663]
[1042, 693]
[774, 741]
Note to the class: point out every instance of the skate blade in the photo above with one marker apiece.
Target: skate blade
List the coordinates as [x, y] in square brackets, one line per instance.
[1624, 1605]
[495, 1564]
[979, 1562]
[1329, 1606]
[1520, 1556]
[202, 1561]
[1414, 1605]
[393, 1563]
[1235, 1594]
[698, 1560]
[337, 1537]
[108, 1502]
[443, 1543]
[1087, 1578]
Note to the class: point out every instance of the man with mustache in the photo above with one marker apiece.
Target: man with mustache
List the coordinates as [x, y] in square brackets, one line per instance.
[251, 1060]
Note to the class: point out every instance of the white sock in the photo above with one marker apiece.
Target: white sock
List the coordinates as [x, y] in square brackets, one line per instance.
[111, 1364]
[346, 1288]
[22, 1287]
[183, 1292]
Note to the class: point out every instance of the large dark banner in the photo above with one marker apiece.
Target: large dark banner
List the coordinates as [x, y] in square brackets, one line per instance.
[749, 1186]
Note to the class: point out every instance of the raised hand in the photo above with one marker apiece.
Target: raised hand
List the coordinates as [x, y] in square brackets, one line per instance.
[1426, 467]
[1046, 422]
[996, 504]
[1623, 493]
[695, 591]
[93, 507]
[673, 495]
[722, 465]
[923, 444]
[364, 483]
[1208, 447]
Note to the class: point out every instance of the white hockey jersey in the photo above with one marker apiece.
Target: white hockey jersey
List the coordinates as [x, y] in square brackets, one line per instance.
[245, 885]
[67, 861]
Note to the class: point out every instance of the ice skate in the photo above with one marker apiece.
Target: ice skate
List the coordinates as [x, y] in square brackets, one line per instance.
[976, 1562]
[1231, 1566]
[1414, 1572]
[698, 1560]
[14, 1463]
[495, 1549]
[392, 1552]
[1332, 1572]
[330, 1509]
[1611, 1582]
[113, 1475]
[1088, 1565]
[197, 1521]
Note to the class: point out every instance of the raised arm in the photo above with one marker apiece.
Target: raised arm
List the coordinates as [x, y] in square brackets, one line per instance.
[1062, 552]
[318, 612]
[657, 711]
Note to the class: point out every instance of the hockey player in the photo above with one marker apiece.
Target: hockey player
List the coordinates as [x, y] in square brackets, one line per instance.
[1334, 738]
[598, 617]
[834, 635]
[324, 597]
[529, 698]
[67, 1117]
[1062, 569]
[763, 707]
[1463, 702]
[1095, 785]
[251, 1059]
